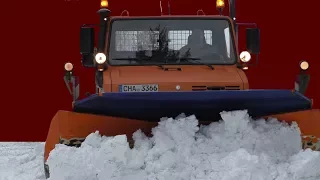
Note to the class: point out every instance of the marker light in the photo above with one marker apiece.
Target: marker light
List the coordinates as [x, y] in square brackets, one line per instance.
[245, 56]
[68, 66]
[304, 65]
[220, 4]
[100, 58]
[104, 3]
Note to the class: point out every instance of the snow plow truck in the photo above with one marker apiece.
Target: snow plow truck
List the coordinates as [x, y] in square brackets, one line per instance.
[151, 67]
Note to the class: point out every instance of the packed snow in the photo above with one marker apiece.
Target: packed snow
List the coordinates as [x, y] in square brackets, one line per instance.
[236, 148]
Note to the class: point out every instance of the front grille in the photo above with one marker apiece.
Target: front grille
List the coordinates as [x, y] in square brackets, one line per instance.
[214, 88]
[199, 88]
[232, 88]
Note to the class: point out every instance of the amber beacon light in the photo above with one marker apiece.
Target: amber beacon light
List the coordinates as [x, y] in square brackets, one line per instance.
[104, 3]
[220, 6]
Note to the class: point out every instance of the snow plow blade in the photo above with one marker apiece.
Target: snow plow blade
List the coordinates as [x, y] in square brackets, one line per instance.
[115, 113]
[71, 128]
[124, 113]
[206, 105]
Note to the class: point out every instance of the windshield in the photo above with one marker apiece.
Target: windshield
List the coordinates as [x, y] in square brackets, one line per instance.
[171, 41]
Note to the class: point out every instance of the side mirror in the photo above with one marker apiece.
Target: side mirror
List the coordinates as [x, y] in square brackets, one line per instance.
[87, 46]
[253, 40]
[86, 40]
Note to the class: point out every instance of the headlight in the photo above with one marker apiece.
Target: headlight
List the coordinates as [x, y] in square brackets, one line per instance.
[304, 65]
[100, 58]
[68, 66]
[245, 56]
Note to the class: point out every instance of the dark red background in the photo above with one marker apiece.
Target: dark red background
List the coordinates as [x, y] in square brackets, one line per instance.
[40, 37]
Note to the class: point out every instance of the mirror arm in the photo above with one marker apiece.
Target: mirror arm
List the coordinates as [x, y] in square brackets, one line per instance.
[302, 82]
[248, 24]
[89, 25]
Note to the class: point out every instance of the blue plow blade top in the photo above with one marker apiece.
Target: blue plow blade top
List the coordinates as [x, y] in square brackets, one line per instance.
[205, 105]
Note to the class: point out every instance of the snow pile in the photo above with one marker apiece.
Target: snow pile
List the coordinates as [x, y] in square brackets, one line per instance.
[236, 148]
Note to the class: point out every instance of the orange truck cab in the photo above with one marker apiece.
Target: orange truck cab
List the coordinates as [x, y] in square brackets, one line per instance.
[167, 53]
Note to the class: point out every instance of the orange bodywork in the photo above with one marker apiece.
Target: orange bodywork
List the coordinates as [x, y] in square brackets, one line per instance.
[309, 124]
[189, 78]
[70, 125]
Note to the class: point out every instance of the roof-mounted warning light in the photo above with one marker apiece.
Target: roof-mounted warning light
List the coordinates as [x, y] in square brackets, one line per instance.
[104, 13]
[104, 3]
[220, 5]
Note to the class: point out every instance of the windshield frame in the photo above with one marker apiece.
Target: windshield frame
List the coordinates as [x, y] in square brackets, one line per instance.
[121, 18]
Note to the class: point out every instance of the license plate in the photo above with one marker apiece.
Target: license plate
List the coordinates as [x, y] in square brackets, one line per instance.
[139, 88]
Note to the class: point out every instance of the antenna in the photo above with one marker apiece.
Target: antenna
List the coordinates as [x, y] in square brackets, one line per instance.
[161, 8]
[200, 10]
[125, 11]
[169, 9]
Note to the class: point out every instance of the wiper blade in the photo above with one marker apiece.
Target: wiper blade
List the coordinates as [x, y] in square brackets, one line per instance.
[191, 59]
[139, 61]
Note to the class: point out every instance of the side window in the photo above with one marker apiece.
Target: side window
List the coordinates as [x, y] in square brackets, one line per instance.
[179, 38]
[228, 40]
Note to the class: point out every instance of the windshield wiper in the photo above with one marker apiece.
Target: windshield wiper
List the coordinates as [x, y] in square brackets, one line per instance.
[139, 60]
[195, 60]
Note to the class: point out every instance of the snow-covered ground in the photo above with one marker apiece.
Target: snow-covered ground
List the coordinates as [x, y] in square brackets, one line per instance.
[236, 148]
[21, 161]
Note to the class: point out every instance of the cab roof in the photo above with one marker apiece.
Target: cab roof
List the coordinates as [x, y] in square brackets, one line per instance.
[172, 17]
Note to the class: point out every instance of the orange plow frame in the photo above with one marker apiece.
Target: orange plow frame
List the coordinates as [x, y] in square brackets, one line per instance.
[70, 125]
